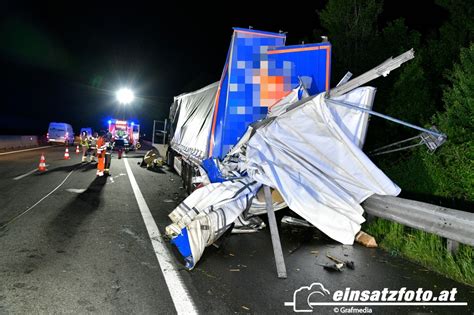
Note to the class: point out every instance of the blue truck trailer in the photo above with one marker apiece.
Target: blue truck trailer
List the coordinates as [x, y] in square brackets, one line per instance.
[259, 71]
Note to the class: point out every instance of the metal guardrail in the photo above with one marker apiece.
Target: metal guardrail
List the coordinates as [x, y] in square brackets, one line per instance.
[18, 142]
[449, 223]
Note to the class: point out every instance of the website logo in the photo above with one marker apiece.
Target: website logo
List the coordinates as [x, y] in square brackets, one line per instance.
[348, 300]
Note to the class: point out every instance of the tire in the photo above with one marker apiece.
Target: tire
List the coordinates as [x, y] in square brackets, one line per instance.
[184, 173]
[138, 146]
[170, 158]
[189, 179]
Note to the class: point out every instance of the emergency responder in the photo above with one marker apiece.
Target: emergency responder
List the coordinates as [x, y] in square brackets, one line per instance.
[120, 142]
[101, 150]
[108, 151]
[92, 151]
[85, 145]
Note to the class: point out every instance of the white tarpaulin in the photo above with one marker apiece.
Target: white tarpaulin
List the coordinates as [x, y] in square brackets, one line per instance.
[207, 213]
[311, 155]
[352, 122]
[194, 110]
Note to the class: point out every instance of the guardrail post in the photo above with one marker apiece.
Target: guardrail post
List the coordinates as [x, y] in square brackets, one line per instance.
[452, 246]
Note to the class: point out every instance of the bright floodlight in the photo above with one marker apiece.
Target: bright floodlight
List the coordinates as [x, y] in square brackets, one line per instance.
[125, 96]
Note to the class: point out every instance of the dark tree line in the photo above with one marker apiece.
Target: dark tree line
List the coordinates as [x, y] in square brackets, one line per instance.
[437, 87]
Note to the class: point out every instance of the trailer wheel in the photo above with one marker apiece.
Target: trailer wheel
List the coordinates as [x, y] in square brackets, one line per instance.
[184, 171]
[170, 158]
[189, 179]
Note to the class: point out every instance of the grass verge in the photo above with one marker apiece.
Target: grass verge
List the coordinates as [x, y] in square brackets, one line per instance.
[424, 248]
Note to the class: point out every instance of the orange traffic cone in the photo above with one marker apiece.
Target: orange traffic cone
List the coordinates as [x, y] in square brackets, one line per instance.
[42, 164]
[66, 154]
[77, 150]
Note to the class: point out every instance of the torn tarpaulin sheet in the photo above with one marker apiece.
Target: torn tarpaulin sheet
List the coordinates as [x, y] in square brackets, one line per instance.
[308, 154]
[281, 106]
[206, 214]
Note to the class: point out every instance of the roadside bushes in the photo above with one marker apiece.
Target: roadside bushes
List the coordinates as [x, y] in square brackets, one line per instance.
[448, 173]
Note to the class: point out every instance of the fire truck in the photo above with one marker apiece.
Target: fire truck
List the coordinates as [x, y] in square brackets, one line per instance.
[126, 134]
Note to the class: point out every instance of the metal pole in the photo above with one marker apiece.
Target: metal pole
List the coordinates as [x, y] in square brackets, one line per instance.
[393, 144]
[165, 131]
[277, 251]
[153, 135]
[396, 150]
[381, 70]
[398, 121]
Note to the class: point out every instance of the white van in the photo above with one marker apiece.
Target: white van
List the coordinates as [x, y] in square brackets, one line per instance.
[60, 133]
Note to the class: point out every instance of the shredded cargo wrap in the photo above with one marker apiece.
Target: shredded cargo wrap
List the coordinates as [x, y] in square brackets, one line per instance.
[311, 155]
[206, 214]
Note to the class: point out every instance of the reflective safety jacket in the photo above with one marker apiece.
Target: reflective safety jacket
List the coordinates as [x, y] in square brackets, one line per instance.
[92, 142]
[101, 145]
[84, 141]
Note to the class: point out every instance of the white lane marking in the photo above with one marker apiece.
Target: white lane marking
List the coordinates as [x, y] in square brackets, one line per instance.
[29, 173]
[76, 190]
[181, 298]
[38, 202]
[24, 150]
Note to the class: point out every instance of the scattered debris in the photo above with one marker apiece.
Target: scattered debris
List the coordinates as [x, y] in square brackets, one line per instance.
[243, 231]
[76, 190]
[245, 308]
[366, 240]
[234, 270]
[348, 264]
[332, 267]
[336, 260]
[295, 221]
[315, 252]
[207, 274]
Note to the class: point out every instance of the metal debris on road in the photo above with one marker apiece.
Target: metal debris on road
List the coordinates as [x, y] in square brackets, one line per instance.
[76, 190]
[295, 221]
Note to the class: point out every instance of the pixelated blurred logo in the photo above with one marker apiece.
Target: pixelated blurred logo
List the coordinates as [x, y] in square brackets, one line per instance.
[303, 297]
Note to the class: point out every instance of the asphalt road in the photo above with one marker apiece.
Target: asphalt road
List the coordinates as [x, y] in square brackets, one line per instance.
[85, 248]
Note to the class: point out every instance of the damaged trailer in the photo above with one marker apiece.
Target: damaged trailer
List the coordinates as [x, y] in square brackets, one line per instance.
[258, 73]
[271, 121]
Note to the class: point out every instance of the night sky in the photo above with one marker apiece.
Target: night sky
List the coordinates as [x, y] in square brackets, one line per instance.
[63, 61]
